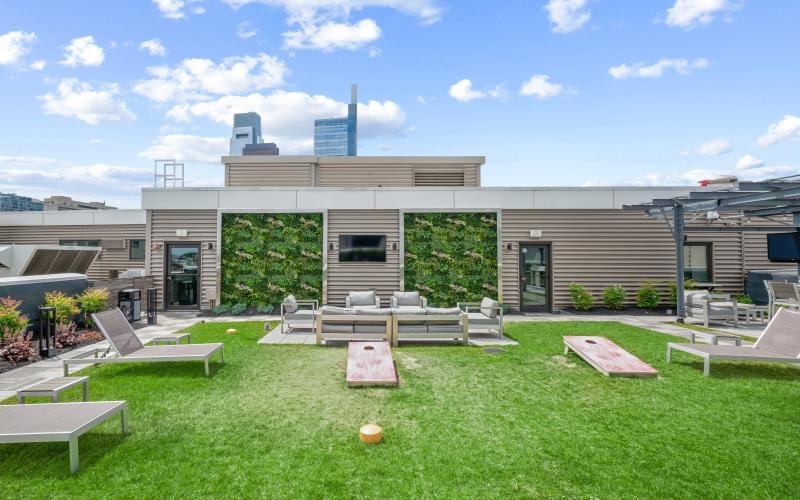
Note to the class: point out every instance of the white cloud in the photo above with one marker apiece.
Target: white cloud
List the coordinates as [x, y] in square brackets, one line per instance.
[374, 51]
[426, 10]
[567, 16]
[76, 99]
[715, 147]
[174, 9]
[83, 52]
[541, 87]
[462, 91]
[331, 36]
[194, 79]
[642, 70]
[40, 177]
[749, 161]
[38, 65]
[688, 14]
[14, 45]
[287, 118]
[188, 148]
[154, 47]
[786, 129]
[245, 30]
[747, 168]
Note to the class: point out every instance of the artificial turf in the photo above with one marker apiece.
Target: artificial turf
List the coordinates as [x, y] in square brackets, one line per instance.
[279, 421]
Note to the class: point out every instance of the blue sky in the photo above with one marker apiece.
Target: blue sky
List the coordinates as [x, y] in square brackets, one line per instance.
[552, 92]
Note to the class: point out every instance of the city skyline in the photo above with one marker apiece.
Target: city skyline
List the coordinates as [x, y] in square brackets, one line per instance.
[551, 92]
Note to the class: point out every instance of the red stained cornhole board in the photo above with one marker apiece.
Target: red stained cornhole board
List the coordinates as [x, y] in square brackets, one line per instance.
[607, 357]
[370, 363]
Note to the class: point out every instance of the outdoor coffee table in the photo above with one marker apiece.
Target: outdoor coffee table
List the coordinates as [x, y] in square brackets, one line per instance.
[50, 422]
[607, 357]
[370, 363]
[53, 387]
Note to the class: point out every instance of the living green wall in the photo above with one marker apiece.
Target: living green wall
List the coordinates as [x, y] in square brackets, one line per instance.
[451, 257]
[266, 257]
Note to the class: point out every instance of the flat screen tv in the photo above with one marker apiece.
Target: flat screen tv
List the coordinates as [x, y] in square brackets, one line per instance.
[362, 248]
[783, 247]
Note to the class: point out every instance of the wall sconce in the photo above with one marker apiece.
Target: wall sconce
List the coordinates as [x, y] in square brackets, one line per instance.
[156, 245]
[509, 246]
[330, 246]
[209, 245]
[394, 246]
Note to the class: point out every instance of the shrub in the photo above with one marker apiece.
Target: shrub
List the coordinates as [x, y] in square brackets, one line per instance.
[582, 300]
[66, 306]
[265, 309]
[614, 297]
[239, 308]
[18, 348]
[221, 309]
[688, 284]
[743, 298]
[92, 300]
[66, 335]
[647, 297]
[12, 321]
[91, 336]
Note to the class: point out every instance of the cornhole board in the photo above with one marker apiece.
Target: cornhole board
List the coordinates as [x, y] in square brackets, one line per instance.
[607, 357]
[370, 363]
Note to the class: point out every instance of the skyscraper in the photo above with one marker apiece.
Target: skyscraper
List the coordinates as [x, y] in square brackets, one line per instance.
[338, 136]
[11, 202]
[246, 130]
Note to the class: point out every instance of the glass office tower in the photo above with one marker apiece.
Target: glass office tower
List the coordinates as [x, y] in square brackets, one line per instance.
[338, 136]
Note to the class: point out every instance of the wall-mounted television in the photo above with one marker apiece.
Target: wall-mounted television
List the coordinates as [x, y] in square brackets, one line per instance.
[783, 247]
[362, 248]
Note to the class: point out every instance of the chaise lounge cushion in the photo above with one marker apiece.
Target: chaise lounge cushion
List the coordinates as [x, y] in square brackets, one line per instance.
[290, 304]
[406, 299]
[362, 299]
[489, 307]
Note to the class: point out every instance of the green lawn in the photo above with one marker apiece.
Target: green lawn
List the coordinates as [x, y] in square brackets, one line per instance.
[279, 421]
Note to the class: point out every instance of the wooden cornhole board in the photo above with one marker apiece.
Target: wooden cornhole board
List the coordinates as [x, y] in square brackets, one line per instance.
[607, 357]
[370, 363]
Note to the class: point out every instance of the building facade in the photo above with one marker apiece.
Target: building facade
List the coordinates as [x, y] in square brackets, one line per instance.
[12, 202]
[338, 136]
[246, 130]
[56, 203]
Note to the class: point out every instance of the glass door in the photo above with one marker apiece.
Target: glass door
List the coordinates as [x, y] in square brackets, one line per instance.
[182, 276]
[534, 277]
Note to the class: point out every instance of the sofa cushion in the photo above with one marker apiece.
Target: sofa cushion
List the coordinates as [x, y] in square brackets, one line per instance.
[412, 327]
[374, 311]
[438, 328]
[290, 304]
[695, 297]
[373, 316]
[444, 311]
[367, 328]
[403, 299]
[362, 298]
[476, 318]
[488, 307]
[333, 310]
[337, 327]
[410, 311]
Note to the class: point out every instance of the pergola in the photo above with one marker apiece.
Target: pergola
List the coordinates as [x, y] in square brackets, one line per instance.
[773, 200]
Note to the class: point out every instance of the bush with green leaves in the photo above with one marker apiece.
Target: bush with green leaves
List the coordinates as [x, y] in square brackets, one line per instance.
[221, 309]
[18, 348]
[614, 297]
[582, 300]
[688, 284]
[67, 335]
[647, 297]
[12, 321]
[265, 309]
[239, 308]
[743, 298]
[93, 300]
[66, 306]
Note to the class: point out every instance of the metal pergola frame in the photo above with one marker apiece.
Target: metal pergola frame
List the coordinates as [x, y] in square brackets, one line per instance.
[773, 200]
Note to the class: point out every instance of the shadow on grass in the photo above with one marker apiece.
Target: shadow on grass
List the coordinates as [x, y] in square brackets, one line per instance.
[734, 370]
[172, 369]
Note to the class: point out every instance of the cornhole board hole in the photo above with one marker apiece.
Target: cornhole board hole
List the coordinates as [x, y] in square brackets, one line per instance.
[370, 363]
[607, 357]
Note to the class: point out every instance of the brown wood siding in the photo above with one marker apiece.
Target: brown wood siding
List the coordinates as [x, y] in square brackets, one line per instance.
[268, 175]
[344, 277]
[202, 227]
[109, 260]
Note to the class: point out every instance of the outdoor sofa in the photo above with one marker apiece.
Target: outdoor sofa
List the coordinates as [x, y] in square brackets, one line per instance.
[430, 323]
[484, 315]
[779, 343]
[346, 324]
[297, 312]
[129, 349]
[707, 307]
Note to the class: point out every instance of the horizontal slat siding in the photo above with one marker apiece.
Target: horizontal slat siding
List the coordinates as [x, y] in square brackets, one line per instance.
[109, 260]
[344, 277]
[365, 175]
[268, 175]
[202, 227]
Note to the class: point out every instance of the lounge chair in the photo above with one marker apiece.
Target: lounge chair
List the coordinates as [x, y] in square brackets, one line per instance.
[297, 312]
[780, 343]
[782, 294]
[129, 349]
[48, 422]
[486, 315]
[399, 300]
[707, 307]
[362, 300]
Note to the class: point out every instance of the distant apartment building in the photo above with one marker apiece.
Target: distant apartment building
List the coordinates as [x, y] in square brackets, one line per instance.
[262, 149]
[60, 203]
[12, 202]
[246, 131]
[338, 136]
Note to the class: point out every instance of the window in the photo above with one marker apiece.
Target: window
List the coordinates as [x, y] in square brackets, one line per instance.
[80, 243]
[243, 136]
[697, 262]
[136, 249]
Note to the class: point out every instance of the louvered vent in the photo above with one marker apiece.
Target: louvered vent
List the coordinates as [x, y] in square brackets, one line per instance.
[114, 244]
[453, 178]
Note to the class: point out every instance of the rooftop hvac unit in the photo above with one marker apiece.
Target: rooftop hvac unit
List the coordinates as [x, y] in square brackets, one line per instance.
[32, 260]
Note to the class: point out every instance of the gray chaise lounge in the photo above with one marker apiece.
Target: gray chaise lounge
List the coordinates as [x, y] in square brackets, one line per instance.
[49, 422]
[779, 343]
[129, 349]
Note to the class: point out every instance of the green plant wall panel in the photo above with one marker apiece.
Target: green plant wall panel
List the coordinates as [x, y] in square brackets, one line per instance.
[451, 257]
[266, 257]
